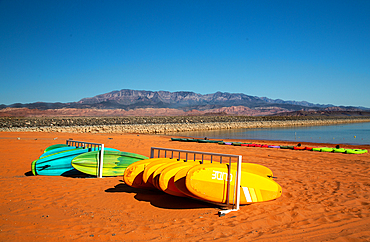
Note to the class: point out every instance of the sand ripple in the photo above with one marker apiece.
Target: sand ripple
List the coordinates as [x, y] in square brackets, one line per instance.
[325, 197]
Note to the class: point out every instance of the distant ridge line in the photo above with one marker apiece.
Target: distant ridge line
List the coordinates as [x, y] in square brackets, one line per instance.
[130, 102]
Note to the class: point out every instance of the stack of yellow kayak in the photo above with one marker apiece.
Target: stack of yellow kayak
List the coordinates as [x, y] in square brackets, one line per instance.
[205, 181]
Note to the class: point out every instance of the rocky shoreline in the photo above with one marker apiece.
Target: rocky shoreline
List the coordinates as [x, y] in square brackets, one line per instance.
[160, 125]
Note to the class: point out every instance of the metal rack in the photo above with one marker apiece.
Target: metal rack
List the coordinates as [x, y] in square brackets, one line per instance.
[172, 153]
[93, 146]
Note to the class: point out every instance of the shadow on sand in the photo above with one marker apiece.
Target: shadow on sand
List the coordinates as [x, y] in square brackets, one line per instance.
[162, 200]
[71, 174]
[28, 173]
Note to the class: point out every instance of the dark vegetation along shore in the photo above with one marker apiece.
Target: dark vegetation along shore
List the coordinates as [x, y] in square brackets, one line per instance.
[161, 124]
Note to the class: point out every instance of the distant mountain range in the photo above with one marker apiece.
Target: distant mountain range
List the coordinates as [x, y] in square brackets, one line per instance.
[219, 102]
[187, 100]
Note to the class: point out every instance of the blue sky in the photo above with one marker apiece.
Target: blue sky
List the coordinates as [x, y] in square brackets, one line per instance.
[63, 51]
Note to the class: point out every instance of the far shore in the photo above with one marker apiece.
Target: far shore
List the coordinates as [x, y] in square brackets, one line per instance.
[162, 125]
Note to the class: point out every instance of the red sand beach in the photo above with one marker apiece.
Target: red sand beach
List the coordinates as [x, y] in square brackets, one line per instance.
[325, 197]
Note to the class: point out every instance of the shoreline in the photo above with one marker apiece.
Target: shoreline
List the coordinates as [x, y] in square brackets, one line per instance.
[169, 127]
[325, 197]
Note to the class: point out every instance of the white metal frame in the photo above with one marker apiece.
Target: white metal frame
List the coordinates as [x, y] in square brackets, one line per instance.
[236, 203]
[92, 146]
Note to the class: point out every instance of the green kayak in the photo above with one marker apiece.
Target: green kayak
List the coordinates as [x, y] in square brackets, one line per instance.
[208, 141]
[114, 162]
[237, 143]
[326, 149]
[355, 151]
[339, 150]
[316, 149]
[54, 147]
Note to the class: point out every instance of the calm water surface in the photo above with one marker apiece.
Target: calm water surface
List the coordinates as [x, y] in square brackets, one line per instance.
[357, 133]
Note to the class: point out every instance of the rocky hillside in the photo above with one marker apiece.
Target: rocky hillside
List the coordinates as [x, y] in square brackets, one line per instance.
[188, 100]
[163, 103]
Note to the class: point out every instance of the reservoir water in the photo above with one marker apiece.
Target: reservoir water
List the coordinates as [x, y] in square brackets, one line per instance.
[356, 133]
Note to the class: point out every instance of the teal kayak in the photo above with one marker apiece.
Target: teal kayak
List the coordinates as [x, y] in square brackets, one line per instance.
[57, 150]
[178, 139]
[208, 141]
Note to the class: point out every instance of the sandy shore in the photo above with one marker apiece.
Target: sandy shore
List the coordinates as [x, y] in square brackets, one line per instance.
[325, 197]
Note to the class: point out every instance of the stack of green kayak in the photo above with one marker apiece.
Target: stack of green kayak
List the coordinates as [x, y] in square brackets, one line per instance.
[196, 140]
[63, 160]
[340, 150]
